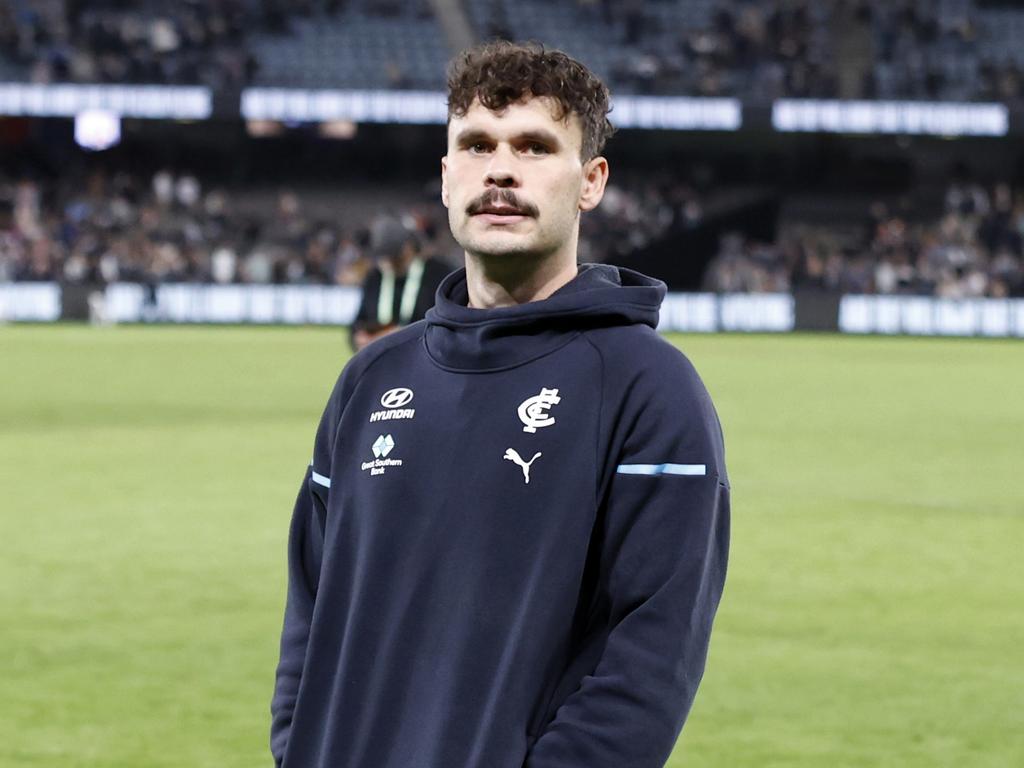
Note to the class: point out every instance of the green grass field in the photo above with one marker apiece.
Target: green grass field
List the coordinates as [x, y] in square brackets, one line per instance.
[874, 613]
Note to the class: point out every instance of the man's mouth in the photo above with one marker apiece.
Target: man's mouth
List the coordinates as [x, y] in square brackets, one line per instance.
[501, 210]
[500, 217]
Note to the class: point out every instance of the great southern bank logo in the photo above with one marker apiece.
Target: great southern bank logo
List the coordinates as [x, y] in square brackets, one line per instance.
[394, 402]
[533, 411]
[382, 446]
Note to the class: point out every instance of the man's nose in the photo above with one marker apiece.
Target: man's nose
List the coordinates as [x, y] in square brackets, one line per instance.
[501, 171]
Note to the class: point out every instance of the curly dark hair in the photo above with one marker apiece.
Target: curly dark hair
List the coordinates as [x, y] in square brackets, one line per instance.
[500, 73]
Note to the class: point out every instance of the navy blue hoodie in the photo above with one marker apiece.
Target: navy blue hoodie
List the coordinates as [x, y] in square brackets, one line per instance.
[511, 542]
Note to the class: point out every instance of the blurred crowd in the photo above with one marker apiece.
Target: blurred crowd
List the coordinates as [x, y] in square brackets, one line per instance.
[635, 212]
[115, 226]
[194, 42]
[769, 49]
[756, 49]
[921, 53]
[974, 249]
[765, 50]
[908, 49]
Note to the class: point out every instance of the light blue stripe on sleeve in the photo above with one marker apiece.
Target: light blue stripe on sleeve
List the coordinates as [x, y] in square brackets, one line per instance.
[321, 480]
[662, 469]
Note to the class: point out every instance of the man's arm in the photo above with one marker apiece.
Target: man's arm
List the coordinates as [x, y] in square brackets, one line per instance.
[663, 555]
[305, 553]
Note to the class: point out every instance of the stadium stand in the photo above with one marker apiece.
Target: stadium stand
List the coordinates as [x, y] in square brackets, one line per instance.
[971, 249]
[224, 44]
[694, 47]
[126, 223]
[757, 50]
[108, 41]
[114, 225]
[365, 45]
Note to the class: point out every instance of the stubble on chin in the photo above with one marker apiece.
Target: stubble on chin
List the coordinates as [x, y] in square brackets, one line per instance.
[495, 244]
[491, 243]
[503, 247]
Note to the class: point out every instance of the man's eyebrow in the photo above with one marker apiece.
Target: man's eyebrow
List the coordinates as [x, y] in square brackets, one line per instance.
[473, 135]
[541, 136]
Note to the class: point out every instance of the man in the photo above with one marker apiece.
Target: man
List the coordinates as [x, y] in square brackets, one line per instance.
[512, 539]
[400, 288]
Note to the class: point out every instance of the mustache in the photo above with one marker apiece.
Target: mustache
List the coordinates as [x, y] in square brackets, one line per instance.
[501, 197]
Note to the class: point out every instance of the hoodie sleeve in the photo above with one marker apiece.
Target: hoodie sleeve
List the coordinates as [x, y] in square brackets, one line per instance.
[663, 550]
[305, 554]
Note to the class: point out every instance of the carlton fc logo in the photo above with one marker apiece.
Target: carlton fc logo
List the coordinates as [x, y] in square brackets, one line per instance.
[533, 411]
[394, 401]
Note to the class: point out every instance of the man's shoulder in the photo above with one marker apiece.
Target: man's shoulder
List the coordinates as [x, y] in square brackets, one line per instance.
[642, 365]
[399, 341]
[637, 348]
[402, 342]
[658, 390]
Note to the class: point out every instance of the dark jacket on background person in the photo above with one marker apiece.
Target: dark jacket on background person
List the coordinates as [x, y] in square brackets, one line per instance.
[510, 544]
[406, 297]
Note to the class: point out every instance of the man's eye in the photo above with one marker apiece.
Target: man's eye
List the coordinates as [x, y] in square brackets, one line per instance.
[537, 149]
[478, 147]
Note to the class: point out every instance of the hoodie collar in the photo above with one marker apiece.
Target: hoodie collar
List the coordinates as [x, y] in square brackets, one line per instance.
[461, 338]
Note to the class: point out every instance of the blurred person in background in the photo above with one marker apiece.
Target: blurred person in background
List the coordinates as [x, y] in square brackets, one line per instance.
[399, 288]
[11, 244]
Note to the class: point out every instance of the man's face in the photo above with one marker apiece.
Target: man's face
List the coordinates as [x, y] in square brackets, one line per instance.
[513, 181]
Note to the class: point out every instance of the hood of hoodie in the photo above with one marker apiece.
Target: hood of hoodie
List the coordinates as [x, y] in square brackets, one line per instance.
[464, 339]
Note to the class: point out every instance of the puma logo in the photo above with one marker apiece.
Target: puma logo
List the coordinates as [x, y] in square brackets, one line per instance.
[512, 455]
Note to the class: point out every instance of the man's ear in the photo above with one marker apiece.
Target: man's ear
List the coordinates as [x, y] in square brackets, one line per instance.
[595, 177]
[444, 180]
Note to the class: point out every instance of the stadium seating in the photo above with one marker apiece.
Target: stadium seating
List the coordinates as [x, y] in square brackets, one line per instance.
[355, 49]
[80, 230]
[949, 50]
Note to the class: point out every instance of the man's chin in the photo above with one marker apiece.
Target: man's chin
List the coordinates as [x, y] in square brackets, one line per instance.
[500, 244]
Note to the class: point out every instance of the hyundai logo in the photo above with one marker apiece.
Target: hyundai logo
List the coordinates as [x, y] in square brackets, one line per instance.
[396, 398]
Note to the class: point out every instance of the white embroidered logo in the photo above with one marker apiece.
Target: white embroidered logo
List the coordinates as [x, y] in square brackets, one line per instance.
[533, 411]
[394, 402]
[382, 446]
[512, 455]
[396, 398]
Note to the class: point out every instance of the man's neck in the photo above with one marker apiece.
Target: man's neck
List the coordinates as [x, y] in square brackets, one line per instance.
[506, 281]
